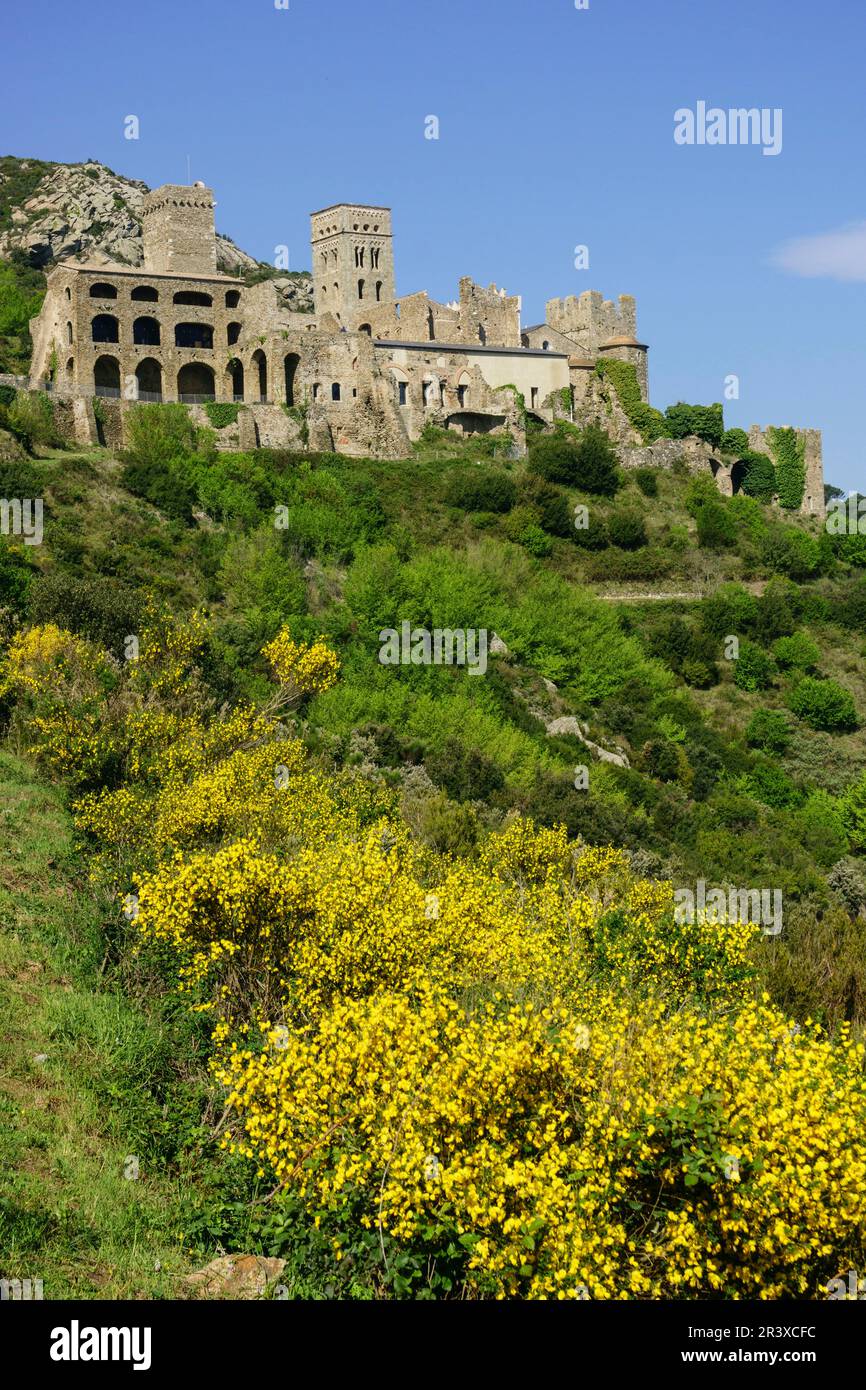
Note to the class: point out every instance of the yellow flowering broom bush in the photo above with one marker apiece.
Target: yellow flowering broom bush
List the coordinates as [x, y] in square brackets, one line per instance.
[520, 1072]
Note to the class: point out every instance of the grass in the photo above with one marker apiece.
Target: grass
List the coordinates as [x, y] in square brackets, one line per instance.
[76, 1080]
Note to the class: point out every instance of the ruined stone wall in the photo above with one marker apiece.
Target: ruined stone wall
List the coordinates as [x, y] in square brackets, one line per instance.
[488, 316]
[813, 493]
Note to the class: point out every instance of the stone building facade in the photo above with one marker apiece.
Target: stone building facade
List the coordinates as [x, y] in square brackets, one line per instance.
[363, 374]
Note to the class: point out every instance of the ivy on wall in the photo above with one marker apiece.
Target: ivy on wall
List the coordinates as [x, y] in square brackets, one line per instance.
[222, 413]
[789, 451]
[622, 376]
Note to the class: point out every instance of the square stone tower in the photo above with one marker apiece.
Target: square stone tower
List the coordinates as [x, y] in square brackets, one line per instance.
[353, 261]
[178, 228]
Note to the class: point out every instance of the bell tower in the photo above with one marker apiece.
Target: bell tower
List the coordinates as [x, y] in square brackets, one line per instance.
[353, 261]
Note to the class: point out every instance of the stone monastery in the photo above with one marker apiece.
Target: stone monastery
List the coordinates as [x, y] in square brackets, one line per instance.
[361, 375]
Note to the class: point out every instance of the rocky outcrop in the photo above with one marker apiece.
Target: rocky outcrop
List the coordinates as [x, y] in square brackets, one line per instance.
[86, 212]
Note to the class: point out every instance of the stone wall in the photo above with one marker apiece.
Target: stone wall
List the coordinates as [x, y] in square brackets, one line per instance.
[178, 230]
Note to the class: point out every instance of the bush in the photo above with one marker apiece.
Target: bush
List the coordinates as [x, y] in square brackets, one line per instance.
[101, 610]
[822, 704]
[753, 669]
[626, 529]
[770, 730]
[789, 550]
[647, 481]
[797, 651]
[731, 609]
[32, 414]
[704, 421]
[524, 527]
[550, 505]
[464, 773]
[735, 441]
[760, 478]
[159, 434]
[716, 529]
[649, 423]
[481, 490]
[554, 457]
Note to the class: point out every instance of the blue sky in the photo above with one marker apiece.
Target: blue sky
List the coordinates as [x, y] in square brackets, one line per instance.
[556, 129]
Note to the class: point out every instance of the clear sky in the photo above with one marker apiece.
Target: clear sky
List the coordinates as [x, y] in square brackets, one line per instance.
[556, 129]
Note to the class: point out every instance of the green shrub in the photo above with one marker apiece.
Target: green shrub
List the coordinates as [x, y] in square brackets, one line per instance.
[822, 704]
[760, 478]
[731, 609]
[704, 421]
[550, 505]
[735, 441]
[481, 490]
[753, 669]
[100, 609]
[771, 786]
[792, 551]
[464, 773]
[523, 526]
[647, 481]
[159, 434]
[554, 457]
[770, 730]
[626, 529]
[717, 530]
[32, 414]
[798, 651]
[596, 464]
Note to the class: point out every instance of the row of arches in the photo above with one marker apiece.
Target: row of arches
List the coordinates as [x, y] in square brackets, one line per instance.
[146, 332]
[103, 290]
[433, 389]
[197, 380]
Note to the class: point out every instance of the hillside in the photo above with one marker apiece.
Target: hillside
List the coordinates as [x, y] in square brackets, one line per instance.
[51, 212]
[402, 854]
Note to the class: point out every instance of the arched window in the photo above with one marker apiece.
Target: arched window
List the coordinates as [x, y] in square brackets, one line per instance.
[148, 374]
[260, 365]
[68, 292]
[366, 328]
[336, 393]
[193, 297]
[69, 332]
[360, 289]
[104, 328]
[233, 333]
[378, 289]
[100, 290]
[146, 332]
[193, 335]
[545, 346]
[106, 376]
[236, 369]
[146, 292]
[233, 299]
[195, 382]
[374, 257]
[317, 388]
[359, 255]
[70, 366]
[463, 390]
[290, 369]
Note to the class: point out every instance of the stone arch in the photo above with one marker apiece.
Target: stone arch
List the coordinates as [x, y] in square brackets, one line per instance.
[69, 332]
[196, 379]
[379, 290]
[233, 299]
[106, 376]
[464, 389]
[70, 366]
[145, 331]
[235, 372]
[291, 363]
[146, 292]
[361, 284]
[102, 290]
[68, 292]
[205, 301]
[259, 365]
[193, 335]
[148, 374]
[366, 328]
[104, 328]
[739, 473]
[233, 333]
